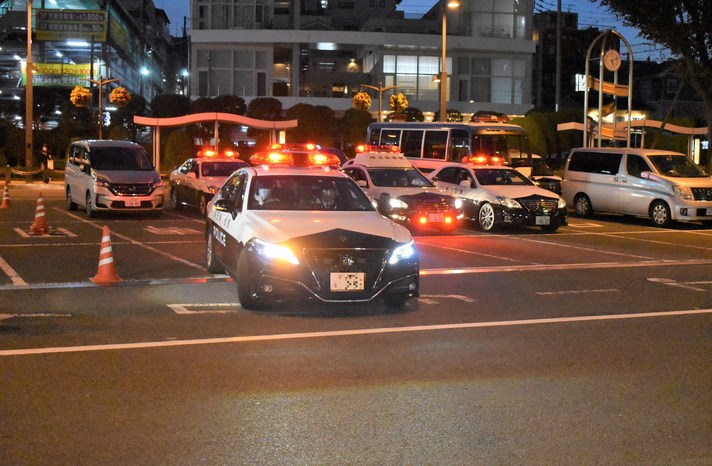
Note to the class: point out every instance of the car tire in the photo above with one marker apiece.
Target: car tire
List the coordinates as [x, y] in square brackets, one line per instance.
[486, 217]
[71, 205]
[210, 259]
[660, 214]
[395, 300]
[245, 293]
[91, 213]
[174, 198]
[582, 205]
[550, 228]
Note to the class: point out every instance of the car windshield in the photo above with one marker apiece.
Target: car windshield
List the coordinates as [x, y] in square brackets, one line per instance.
[280, 192]
[120, 158]
[677, 166]
[221, 168]
[500, 177]
[399, 178]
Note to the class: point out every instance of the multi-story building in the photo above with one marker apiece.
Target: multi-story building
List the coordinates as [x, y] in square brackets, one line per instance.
[322, 52]
[74, 41]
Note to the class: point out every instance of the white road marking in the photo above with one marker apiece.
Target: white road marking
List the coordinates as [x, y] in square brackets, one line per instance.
[585, 225]
[451, 296]
[686, 285]
[555, 293]
[11, 273]
[172, 231]
[36, 314]
[343, 333]
[187, 309]
[54, 232]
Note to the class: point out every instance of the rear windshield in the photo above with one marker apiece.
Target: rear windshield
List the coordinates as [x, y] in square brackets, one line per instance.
[676, 166]
[120, 158]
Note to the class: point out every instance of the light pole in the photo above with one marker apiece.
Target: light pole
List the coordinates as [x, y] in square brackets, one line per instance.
[452, 4]
[380, 90]
[100, 84]
[28, 90]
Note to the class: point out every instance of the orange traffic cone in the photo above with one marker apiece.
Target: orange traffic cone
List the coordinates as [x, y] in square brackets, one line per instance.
[39, 227]
[107, 272]
[5, 198]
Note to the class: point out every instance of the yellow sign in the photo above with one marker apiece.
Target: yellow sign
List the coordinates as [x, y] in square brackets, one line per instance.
[58, 25]
[58, 74]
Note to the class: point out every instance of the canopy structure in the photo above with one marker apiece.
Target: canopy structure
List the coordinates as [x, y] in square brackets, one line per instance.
[158, 123]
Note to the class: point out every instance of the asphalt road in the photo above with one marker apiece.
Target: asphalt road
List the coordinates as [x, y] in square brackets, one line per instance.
[588, 346]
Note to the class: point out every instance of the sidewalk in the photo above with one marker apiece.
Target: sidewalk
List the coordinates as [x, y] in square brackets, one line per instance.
[23, 190]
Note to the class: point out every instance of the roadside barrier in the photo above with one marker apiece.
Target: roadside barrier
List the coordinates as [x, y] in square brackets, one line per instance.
[39, 226]
[5, 198]
[106, 273]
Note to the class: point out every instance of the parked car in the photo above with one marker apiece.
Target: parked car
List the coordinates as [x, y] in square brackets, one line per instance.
[108, 175]
[497, 196]
[662, 185]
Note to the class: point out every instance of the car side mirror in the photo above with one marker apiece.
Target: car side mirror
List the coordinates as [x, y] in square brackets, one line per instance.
[466, 183]
[191, 175]
[645, 175]
[383, 202]
[362, 184]
[224, 205]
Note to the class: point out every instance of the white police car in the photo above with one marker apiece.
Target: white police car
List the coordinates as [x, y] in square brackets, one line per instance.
[496, 196]
[197, 180]
[284, 232]
[403, 193]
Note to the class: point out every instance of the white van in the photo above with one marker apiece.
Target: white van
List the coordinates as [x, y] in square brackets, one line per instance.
[111, 175]
[665, 186]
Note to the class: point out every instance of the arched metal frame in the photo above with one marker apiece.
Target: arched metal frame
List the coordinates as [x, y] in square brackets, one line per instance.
[601, 84]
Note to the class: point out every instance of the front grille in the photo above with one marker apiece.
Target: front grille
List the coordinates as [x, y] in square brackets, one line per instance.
[428, 202]
[322, 262]
[130, 189]
[702, 194]
[538, 204]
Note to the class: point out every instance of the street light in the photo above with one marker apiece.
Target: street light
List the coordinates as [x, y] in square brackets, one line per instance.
[380, 90]
[452, 4]
[100, 83]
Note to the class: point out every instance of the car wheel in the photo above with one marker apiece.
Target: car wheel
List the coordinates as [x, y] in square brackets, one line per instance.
[550, 228]
[660, 214]
[395, 300]
[486, 217]
[211, 261]
[245, 293]
[203, 205]
[174, 197]
[583, 207]
[89, 207]
[71, 205]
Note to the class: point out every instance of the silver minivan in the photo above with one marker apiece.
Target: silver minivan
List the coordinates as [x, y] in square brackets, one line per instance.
[663, 185]
[111, 176]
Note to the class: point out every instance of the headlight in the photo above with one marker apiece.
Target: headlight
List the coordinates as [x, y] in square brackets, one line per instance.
[157, 181]
[561, 204]
[275, 252]
[404, 251]
[213, 189]
[509, 203]
[397, 203]
[683, 192]
[103, 182]
[458, 203]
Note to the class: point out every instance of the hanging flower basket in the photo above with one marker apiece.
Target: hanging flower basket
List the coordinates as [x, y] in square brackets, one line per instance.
[120, 97]
[361, 101]
[398, 103]
[80, 96]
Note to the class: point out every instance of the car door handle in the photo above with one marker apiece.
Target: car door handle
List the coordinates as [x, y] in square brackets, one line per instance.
[620, 179]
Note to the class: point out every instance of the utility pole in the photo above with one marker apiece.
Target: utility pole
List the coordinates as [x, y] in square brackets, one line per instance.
[28, 90]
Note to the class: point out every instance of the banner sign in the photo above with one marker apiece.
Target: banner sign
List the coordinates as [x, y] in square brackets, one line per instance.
[59, 25]
[58, 74]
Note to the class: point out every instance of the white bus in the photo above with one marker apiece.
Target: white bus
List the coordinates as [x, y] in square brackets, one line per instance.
[429, 144]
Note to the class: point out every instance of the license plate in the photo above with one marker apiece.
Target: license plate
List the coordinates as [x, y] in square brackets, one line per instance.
[132, 203]
[436, 218]
[543, 220]
[708, 211]
[347, 281]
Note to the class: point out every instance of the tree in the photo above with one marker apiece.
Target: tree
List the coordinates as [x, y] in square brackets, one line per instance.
[263, 108]
[316, 124]
[683, 26]
[170, 105]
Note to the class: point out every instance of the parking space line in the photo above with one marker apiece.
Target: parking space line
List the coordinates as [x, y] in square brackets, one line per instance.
[346, 333]
[11, 273]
